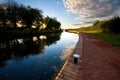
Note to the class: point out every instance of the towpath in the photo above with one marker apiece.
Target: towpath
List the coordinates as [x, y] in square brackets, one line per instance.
[99, 61]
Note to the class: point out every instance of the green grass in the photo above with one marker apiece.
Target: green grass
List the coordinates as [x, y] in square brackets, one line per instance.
[110, 38]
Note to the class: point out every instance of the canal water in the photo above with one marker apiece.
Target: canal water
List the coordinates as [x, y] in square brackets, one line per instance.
[35, 58]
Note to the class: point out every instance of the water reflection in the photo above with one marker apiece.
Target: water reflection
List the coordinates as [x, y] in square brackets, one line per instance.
[43, 37]
[23, 47]
[34, 58]
[52, 39]
[67, 52]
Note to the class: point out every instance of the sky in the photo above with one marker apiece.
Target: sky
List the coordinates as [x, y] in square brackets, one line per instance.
[76, 13]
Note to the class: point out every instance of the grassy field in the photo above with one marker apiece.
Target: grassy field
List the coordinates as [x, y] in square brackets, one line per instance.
[111, 38]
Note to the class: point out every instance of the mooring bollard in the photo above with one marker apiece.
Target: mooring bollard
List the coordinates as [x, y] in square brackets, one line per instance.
[76, 57]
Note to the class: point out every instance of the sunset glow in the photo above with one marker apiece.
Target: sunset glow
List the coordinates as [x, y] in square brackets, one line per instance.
[76, 13]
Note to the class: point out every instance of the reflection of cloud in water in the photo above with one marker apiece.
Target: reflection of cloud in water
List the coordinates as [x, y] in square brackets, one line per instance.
[55, 68]
[20, 40]
[67, 52]
[55, 56]
[42, 37]
[35, 38]
[75, 40]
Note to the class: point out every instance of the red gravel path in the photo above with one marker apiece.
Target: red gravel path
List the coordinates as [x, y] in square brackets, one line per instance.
[100, 60]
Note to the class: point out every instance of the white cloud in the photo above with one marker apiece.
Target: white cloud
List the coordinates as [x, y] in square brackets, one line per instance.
[70, 26]
[88, 10]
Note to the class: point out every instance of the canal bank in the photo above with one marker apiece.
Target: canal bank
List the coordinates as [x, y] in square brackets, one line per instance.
[70, 70]
[99, 61]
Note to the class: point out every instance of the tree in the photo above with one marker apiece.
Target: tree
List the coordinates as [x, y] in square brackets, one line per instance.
[52, 23]
[96, 22]
[2, 16]
[111, 25]
[12, 13]
[38, 17]
[29, 15]
[115, 25]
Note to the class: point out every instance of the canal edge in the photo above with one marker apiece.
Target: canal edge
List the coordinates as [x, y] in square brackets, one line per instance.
[70, 71]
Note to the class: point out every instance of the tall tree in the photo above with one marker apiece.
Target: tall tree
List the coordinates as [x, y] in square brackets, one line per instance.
[2, 16]
[29, 15]
[12, 13]
[52, 23]
[115, 25]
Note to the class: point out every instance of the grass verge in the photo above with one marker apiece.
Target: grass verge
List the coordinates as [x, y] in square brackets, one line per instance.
[111, 38]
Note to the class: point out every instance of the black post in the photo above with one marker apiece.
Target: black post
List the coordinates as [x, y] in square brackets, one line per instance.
[76, 57]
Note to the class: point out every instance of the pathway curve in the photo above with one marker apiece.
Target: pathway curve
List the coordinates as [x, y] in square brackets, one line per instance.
[100, 60]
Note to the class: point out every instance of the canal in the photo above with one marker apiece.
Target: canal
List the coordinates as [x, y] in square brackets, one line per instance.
[35, 58]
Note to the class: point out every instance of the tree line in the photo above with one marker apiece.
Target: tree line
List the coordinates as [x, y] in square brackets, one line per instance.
[109, 26]
[13, 15]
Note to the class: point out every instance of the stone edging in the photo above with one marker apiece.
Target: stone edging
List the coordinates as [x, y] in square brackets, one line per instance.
[70, 70]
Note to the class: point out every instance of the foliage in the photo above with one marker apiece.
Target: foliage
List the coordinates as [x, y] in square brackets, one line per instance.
[30, 15]
[2, 16]
[96, 22]
[112, 25]
[52, 23]
[109, 26]
[12, 14]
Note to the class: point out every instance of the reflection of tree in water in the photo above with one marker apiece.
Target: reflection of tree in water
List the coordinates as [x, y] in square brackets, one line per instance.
[4, 55]
[52, 38]
[20, 48]
[27, 47]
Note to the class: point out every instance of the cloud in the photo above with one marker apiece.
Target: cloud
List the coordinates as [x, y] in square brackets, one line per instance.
[77, 24]
[93, 9]
[82, 23]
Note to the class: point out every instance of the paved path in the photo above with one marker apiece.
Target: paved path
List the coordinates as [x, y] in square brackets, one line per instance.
[100, 60]
[70, 70]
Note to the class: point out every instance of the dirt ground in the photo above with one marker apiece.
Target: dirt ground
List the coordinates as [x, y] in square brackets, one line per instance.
[99, 60]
